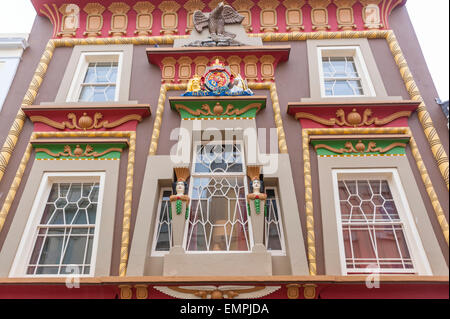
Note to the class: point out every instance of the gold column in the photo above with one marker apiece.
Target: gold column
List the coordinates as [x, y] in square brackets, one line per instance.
[427, 124]
[309, 211]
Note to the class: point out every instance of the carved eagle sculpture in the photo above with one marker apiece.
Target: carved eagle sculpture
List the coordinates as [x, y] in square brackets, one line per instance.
[221, 15]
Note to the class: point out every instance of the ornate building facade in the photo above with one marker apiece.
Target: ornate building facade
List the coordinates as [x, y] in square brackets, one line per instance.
[245, 149]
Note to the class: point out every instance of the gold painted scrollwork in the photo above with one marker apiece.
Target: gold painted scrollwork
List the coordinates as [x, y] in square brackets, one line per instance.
[218, 109]
[360, 147]
[78, 151]
[353, 119]
[85, 122]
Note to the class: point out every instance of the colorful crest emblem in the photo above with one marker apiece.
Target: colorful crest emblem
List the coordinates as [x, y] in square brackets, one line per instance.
[217, 81]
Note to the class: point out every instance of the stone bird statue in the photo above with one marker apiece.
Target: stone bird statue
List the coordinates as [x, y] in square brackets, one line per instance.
[216, 20]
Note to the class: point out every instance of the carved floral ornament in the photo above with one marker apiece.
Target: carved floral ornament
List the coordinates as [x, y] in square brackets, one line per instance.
[218, 109]
[294, 16]
[243, 8]
[119, 18]
[69, 21]
[360, 147]
[344, 14]
[144, 18]
[371, 14]
[94, 20]
[217, 292]
[353, 119]
[169, 17]
[85, 122]
[78, 151]
[268, 15]
[191, 6]
[319, 15]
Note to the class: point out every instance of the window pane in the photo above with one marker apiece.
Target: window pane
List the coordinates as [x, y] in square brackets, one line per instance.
[47, 270]
[372, 230]
[365, 203]
[343, 87]
[101, 72]
[218, 158]
[272, 228]
[377, 246]
[74, 192]
[341, 77]
[65, 244]
[218, 215]
[87, 94]
[99, 93]
[164, 227]
[51, 253]
[339, 67]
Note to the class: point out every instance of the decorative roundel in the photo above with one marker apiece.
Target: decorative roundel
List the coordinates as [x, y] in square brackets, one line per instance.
[215, 79]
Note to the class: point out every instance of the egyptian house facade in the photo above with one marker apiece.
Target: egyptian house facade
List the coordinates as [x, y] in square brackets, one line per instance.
[270, 149]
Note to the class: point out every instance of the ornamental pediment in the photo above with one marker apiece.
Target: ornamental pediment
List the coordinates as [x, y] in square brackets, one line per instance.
[353, 114]
[253, 63]
[86, 117]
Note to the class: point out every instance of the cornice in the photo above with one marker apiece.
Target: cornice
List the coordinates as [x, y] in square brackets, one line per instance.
[173, 17]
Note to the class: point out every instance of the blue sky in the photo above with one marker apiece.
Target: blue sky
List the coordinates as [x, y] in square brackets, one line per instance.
[425, 18]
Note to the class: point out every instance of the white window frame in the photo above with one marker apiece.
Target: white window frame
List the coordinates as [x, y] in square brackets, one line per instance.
[281, 252]
[155, 252]
[412, 237]
[361, 68]
[27, 243]
[82, 67]
[242, 174]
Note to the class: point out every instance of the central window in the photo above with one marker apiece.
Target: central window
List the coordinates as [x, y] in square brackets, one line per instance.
[218, 217]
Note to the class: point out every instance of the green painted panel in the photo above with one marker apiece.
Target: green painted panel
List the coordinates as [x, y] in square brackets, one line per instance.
[59, 148]
[341, 144]
[217, 108]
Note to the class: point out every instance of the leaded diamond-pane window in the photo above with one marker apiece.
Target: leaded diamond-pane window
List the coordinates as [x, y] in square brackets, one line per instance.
[99, 84]
[164, 227]
[218, 158]
[273, 229]
[66, 230]
[373, 231]
[218, 219]
[341, 77]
